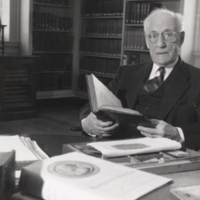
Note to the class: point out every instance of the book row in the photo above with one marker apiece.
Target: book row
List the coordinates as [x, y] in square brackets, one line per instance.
[53, 81]
[60, 2]
[54, 62]
[102, 7]
[134, 58]
[136, 12]
[100, 47]
[52, 42]
[49, 21]
[82, 81]
[134, 39]
[111, 27]
[99, 66]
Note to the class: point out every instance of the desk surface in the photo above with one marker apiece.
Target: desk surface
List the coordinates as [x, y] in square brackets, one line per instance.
[52, 145]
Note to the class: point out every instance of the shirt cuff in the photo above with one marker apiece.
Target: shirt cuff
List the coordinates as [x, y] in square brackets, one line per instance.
[90, 134]
[181, 135]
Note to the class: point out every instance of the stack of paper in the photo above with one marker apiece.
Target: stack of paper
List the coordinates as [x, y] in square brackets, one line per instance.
[25, 149]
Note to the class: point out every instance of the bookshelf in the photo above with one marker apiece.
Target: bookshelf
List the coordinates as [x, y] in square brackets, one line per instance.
[86, 36]
[52, 41]
[18, 93]
[112, 35]
[100, 40]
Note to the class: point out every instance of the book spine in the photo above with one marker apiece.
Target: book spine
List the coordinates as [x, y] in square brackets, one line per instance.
[127, 16]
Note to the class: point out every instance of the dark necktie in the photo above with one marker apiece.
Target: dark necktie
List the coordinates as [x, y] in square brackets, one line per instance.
[153, 84]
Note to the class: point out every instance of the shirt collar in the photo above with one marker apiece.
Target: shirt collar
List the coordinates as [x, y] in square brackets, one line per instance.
[168, 70]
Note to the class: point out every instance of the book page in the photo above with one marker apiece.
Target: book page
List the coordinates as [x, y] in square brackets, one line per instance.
[34, 148]
[8, 143]
[119, 110]
[134, 146]
[103, 96]
[79, 176]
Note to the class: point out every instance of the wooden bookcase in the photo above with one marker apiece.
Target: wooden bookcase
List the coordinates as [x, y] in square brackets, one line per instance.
[52, 41]
[100, 40]
[93, 49]
[97, 47]
[18, 92]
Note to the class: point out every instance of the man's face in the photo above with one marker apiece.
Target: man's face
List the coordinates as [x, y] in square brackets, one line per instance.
[163, 52]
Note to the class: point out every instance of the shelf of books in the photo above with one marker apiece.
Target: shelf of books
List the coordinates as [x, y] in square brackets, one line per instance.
[53, 43]
[100, 41]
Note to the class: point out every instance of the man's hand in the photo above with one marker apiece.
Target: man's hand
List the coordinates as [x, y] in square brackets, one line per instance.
[162, 129]
[92, 125]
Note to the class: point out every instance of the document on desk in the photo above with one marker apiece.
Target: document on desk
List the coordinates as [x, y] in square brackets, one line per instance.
[25, 149]
[78, 176]
[134, 146]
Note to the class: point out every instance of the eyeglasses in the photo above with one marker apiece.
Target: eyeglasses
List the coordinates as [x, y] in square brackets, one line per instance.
[166, 36]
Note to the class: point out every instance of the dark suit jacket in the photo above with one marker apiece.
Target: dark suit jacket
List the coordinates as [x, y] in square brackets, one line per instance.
[181, 103]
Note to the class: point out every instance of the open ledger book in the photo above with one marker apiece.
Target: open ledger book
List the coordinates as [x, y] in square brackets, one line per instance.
[75, 176]
[106, 106]
[134, 146]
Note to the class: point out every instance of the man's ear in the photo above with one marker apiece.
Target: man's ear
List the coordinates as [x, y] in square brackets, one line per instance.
[182, 38]
[147, 43]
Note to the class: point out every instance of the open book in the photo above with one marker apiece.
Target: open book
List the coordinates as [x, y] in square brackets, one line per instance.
[127, 147]
[75, 176]
[106, 106]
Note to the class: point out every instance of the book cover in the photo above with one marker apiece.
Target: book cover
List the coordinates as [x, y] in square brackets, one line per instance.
[78, 176]
[107, 106]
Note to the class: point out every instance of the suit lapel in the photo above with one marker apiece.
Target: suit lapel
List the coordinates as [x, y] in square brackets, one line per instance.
[177, 86]
[135, 83]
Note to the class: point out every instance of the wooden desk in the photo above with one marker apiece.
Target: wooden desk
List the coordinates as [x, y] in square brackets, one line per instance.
[52, 145]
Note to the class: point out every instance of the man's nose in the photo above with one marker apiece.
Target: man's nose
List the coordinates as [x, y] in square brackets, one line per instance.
[160, 42]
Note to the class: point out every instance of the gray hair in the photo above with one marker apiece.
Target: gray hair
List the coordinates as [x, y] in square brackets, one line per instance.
[177, 17]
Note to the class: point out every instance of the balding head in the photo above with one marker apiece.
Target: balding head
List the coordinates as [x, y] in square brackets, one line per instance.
[178, 18]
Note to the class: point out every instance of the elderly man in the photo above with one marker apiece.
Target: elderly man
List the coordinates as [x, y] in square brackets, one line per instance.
[167, 91]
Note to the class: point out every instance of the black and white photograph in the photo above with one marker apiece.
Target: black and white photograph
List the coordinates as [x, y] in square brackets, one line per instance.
[100, 99]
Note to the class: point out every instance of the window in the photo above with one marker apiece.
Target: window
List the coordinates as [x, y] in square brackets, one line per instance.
[0, 10]
[197, 28]
[9, 15]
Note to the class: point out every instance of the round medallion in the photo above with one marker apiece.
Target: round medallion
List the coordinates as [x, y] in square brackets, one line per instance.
[73, 169]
